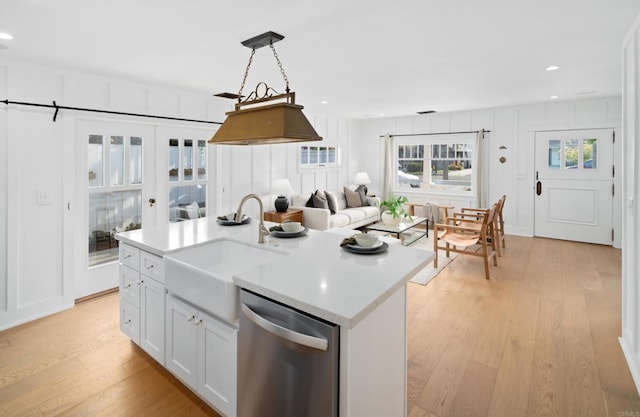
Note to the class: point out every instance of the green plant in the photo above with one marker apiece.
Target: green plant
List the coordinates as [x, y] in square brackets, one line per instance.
[394, 205]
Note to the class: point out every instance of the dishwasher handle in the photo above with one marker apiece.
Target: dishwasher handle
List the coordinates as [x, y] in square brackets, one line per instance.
[287, 334]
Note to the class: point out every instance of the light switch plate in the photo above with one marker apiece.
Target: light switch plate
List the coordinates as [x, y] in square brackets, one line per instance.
[44, 198]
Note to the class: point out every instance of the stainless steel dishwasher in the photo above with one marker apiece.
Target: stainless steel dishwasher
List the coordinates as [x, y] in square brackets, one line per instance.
[287, 361]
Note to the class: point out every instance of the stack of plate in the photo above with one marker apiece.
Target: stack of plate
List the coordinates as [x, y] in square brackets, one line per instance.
[378, 247]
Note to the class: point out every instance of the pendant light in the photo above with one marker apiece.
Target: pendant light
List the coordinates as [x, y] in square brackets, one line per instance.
[265, 116]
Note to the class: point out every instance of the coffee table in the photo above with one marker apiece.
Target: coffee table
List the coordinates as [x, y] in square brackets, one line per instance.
[403, 227]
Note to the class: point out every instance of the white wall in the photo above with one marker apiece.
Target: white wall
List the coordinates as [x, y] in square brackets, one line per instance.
[255, 168]
[630, 340]
[513, 127]
[39, 244]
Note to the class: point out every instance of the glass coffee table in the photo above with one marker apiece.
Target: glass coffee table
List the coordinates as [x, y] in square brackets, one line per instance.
[406, 231]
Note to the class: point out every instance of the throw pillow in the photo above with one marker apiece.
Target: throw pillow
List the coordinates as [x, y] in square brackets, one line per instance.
[332, 200]
[353, 198]
[309, 202]
[319, 201]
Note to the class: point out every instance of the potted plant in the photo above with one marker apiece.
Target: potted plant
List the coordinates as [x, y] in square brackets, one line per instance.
[393, 210]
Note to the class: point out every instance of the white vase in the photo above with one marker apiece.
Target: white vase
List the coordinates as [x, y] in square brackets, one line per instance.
[388, 219]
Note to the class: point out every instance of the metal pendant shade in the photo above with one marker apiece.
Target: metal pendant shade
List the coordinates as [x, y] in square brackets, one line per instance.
[264, 117]
[252, 124]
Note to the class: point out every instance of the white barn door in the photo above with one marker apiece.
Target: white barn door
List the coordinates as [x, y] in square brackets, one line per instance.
[574, 185]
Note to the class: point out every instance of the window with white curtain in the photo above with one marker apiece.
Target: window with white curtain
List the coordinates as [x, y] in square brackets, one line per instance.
[442, 163]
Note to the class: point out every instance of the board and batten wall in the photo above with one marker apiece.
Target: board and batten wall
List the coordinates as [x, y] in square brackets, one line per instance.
[513, 127]
[630, 339]
[38, 242]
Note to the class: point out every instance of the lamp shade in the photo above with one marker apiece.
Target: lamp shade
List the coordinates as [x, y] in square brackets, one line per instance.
[281, 188]
[362, 178]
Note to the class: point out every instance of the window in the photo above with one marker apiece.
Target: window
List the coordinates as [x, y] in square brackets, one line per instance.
[187, 179]
[573, 153]
[318, 156]
[439, 162]
[115, 192]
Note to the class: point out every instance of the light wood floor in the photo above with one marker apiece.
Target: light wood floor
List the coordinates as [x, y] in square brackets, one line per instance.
[539, 338]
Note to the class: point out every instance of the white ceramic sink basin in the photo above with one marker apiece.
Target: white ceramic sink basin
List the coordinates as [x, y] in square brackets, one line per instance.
[203, 275]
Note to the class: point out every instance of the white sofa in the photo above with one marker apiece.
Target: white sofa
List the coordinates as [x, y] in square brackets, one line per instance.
[349, 217]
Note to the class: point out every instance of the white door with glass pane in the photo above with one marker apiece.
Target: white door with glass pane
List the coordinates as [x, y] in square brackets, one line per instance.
[115, 193]
[574, 185]
[181, 180]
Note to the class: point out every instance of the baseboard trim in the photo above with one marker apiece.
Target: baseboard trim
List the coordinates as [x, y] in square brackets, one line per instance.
[632, 362]
[96, 295]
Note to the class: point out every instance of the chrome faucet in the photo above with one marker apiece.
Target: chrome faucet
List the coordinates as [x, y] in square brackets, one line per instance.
[262, 230]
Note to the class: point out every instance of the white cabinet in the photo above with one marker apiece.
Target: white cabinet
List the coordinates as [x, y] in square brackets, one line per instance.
[152, 318]
[202, 352]
[142, 300]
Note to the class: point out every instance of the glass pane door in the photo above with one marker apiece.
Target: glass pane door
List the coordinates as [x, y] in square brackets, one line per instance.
[114, 205]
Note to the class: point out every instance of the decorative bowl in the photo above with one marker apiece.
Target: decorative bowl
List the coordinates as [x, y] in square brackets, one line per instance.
[366, 240]
[291, 227]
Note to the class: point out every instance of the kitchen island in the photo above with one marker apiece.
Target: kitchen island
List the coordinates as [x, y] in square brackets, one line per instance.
[363, 294]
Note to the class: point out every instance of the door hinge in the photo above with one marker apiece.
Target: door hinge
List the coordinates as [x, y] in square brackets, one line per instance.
[614, 136]
[612, 235]
[613, 171]
[613, 189]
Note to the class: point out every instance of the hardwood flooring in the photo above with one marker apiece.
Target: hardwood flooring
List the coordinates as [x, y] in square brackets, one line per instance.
[540, 338]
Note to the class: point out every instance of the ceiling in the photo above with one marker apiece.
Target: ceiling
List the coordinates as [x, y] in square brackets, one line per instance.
[366, 58]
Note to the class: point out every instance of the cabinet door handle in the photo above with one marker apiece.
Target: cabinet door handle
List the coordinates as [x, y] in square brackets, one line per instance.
[127, 256]
[127, 286]
[287, 334]
[150, 266]
[192, 318]
[127, 321]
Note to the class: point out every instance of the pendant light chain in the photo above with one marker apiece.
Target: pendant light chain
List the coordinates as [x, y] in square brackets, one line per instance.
[246, 74]
[286, 80]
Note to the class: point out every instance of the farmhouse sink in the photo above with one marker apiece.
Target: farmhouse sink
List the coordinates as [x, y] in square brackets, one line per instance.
[203, 275]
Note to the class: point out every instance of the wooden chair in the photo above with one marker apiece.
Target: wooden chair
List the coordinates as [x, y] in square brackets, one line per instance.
[463, 235]
[498, 224]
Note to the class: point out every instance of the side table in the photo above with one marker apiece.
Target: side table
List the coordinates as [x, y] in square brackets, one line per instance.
[293, 215]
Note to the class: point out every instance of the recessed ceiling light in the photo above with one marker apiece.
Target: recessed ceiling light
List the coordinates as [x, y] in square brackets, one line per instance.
[5, 36]
[554, 97]
[380, 114]
[552, 68]
[324, 102]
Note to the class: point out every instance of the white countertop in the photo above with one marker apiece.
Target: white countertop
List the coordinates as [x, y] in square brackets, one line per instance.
[317, 276]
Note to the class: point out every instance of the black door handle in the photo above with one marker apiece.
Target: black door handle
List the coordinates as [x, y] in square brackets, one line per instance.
[538, 188]
[152, 201]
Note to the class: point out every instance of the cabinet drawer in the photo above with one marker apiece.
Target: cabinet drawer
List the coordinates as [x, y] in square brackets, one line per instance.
[152, 266]
[130, 256]
[129, 285]
[130, 321]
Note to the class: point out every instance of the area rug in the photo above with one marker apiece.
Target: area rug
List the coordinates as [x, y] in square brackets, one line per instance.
[429, 272]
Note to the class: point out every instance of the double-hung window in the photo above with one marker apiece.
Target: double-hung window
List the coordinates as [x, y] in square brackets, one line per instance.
[442, 163]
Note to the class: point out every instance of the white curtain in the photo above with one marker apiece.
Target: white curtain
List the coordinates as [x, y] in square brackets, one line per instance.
[478, 165]
[387, 184]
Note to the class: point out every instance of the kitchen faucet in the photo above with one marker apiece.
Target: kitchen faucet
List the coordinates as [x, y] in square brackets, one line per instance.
[262, 230]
